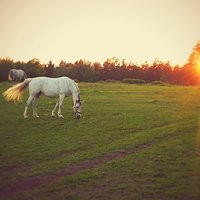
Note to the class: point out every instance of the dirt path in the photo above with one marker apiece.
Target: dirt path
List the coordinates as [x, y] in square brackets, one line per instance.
[31, 183]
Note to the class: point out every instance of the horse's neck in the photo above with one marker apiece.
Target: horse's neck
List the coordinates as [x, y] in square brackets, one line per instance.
[74, 90]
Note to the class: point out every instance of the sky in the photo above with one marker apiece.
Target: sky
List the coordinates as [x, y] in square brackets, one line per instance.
[94, 30]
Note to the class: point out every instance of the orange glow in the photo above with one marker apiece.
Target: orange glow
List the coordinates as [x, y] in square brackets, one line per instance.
[198, 65]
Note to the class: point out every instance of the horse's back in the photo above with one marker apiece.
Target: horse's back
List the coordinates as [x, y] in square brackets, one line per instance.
[49, 81]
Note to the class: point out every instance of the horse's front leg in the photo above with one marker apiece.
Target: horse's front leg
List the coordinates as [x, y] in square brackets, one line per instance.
[53, 111]
[61, 99]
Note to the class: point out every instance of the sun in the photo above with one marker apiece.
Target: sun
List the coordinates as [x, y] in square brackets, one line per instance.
[198, 65]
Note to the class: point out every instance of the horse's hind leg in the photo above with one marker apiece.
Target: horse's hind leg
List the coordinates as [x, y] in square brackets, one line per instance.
[35, 103]
[53, 111]
[30, 99]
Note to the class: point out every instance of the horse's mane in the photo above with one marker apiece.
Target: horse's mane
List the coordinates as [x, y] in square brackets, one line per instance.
[76, 84]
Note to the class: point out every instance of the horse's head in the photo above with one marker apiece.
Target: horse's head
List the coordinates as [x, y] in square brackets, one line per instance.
[77, 107]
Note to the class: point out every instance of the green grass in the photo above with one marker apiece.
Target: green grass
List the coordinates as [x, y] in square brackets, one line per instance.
[133, 142]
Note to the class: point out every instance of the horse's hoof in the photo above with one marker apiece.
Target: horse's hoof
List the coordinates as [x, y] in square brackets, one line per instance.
[25, 117]
[53, 116]
[36, 116]
[61, 116]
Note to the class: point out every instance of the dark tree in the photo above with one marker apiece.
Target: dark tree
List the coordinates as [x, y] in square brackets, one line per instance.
[49, 69]
[191, 70]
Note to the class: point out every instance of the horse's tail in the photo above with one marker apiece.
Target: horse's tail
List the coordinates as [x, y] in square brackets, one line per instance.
[16, 92]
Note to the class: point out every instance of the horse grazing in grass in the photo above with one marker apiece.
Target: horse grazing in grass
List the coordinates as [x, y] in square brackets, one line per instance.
[50, 87]
[17, 75]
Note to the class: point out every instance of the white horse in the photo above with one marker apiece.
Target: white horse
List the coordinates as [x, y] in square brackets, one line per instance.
[50, 87]
[17, 75]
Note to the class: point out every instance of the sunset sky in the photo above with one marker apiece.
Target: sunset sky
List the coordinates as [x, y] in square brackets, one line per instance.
[136, 30]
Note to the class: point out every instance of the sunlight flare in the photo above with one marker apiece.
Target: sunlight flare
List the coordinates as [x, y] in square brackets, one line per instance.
[198, 65]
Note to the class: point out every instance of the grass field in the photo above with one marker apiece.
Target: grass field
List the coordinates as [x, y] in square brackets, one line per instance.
[134, 142]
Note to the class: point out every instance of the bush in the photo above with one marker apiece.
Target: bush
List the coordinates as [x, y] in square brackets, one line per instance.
[158, 83]
[111, 81]
[133, 81]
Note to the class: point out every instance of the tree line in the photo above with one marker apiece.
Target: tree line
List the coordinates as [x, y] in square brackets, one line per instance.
[111, 69]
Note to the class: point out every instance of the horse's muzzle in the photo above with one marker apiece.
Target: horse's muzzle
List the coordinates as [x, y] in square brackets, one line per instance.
[78, 116]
